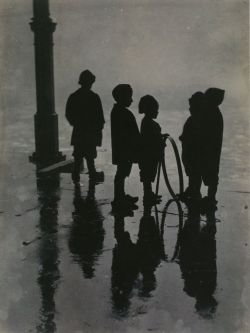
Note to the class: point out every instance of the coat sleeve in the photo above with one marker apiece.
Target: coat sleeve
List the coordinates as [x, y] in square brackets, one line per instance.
[98, 120]
[69, 113]
[100, 117]
[134, 140]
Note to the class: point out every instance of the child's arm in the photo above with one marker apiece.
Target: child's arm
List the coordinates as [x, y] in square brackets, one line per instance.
[164, 136]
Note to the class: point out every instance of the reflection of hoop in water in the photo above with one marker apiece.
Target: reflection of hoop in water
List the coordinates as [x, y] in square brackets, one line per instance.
[162, 165]
[180, 226]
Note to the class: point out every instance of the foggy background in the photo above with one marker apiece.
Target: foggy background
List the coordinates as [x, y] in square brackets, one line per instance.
[167, 48]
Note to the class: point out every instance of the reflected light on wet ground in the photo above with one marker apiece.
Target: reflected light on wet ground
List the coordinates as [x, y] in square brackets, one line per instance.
[72, 265]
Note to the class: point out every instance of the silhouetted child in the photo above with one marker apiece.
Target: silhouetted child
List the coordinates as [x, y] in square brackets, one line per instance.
[212, 136]
[192, 146]
[152, 146]
[201, 145]
[85, 113]
[125, 138]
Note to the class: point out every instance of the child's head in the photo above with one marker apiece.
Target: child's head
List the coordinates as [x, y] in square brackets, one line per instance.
[86, 79]
[149, 106]
[123, 94]
[214, 96]
[196, 103]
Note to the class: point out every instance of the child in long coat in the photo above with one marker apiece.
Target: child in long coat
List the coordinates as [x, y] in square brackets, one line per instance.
[84, 113]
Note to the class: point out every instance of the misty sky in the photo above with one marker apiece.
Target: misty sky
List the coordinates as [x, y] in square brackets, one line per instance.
[167, 48]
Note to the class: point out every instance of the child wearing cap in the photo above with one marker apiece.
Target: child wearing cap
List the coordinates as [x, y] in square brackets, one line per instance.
[125, 140]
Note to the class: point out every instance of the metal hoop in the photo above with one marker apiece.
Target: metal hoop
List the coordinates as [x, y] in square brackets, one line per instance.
[162, 165]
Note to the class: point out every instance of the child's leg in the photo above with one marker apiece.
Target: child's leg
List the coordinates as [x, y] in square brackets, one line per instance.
[212, 190]
[147, 189]
[209, 202]
[195, 186]
[212, 183]
[150, 198]
[123, 171]
[119, 188]
[91, 165]
[119, 185]
[77, 168]
[198, 182]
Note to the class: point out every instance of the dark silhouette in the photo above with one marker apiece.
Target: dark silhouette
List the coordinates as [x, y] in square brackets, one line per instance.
[46, 119]
[152, 144]
[212, 130]
[131, 261]
[201, 145]
[197, 258]
[124, 268]
[87, 232]
[84, 112]
[150, 250]
[48, 251]
[192, 145]
[125, 138]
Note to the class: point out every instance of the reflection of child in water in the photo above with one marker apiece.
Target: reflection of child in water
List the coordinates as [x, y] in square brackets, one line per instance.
[197, 259]
[134, 264]
[152, 146]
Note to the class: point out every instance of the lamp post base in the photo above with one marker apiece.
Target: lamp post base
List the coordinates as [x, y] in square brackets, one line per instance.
[42, 162]
[46, 141]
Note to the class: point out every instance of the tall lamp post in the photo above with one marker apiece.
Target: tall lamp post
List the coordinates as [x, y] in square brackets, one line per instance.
[46, 119]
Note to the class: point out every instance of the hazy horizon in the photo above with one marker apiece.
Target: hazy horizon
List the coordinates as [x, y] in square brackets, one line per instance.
[168, 49]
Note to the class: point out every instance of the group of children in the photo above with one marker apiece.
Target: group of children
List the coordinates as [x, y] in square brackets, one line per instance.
[129, 145]
[201, 140]
[201, 145]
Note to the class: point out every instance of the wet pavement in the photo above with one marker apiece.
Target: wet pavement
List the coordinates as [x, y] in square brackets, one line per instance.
[69, 265]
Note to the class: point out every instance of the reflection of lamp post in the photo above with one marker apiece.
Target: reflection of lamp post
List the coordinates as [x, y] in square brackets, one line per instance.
[46, 119]
[48, 251]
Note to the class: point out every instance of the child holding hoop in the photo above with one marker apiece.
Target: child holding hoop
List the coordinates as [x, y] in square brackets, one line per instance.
[152, 147]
